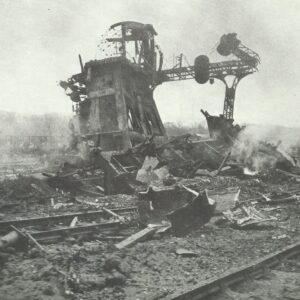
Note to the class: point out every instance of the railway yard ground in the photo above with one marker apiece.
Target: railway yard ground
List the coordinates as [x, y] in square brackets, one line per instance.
[128, 192]
[70, 244]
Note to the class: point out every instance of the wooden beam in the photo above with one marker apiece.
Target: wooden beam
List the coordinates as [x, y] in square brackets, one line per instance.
[136, 237]
[223, 163]
[288, 173]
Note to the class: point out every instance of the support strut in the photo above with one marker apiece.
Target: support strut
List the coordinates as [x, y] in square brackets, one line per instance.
[229, 97]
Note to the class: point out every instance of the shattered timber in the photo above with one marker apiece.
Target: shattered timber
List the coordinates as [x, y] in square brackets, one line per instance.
[129, 213]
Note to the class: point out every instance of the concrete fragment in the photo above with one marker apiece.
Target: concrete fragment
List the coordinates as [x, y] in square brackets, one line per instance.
[146, 173]
[10, 240]
[225, 201]
[162, 172]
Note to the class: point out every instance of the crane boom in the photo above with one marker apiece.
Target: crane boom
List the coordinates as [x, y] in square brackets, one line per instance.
[233, 67]
[203, 71]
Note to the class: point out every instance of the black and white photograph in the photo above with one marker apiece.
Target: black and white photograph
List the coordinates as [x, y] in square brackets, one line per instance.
[150, 150]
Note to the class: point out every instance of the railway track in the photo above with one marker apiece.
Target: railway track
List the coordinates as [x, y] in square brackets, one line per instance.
[60, 233]
[57, 232]
[5, 225]
[221, 287]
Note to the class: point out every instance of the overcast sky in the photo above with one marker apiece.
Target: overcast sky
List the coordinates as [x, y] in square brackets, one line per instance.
[41, 40]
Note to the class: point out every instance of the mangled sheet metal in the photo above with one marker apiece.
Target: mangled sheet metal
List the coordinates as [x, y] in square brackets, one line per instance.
[193, 214]
[244, 216]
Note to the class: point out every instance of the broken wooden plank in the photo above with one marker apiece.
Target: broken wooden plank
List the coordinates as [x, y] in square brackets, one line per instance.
[86, 179]
[204, 172]
[112, 213]
[163, 229]
[212, 148]
[64, 175]
[250, 222]
[50, 175]
[288, 173]
[37, 188]
[24, 234]
[92, 193]
[190, 190]
[74, 221]
[87, 202]
[265, 197]
[100, 188]
[223, 163]
[136, 237]
[290, 199]
[185, 252]
[35, 242]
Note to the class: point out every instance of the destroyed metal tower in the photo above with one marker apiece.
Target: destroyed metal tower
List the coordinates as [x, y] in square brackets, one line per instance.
[113, 97]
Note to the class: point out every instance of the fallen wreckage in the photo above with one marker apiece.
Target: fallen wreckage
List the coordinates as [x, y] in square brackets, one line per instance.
[117, 127]
[120, 141]
[125, 181]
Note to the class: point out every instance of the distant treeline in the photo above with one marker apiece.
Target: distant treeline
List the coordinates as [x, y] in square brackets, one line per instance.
[14, 124]
[53, 124]
[175, 129]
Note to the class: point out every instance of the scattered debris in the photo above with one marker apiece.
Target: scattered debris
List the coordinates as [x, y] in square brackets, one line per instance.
[280, 237]
[122, 173]
[74, 222]
[193, 214]
[150, 229]
[34, 241]
[10, 240]
[226, 200]
[244, 216]
[185, 252]
[147, 174]
[288, 173]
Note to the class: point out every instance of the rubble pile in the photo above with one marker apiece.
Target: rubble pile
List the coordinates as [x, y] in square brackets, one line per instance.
[93, 268]
[189, 157]
[189, 206]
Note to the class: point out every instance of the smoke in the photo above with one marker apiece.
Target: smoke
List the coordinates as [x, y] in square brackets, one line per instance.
[264, 147]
